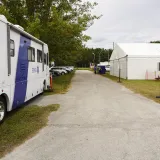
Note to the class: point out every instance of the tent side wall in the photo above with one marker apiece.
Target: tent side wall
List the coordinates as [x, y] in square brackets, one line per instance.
[114, 68]
[123, 67]
[118, 59]
[141, 68]
[119, 64]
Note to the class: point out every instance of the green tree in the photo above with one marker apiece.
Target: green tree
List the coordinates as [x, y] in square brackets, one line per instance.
[59, 23]
[86, 56]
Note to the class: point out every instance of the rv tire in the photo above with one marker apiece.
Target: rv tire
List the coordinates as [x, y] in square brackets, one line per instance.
[3, 109]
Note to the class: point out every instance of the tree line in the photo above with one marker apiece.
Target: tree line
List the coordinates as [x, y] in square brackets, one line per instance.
[90, 55]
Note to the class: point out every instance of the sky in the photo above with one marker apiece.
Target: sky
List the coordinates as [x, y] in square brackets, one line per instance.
[124, 21]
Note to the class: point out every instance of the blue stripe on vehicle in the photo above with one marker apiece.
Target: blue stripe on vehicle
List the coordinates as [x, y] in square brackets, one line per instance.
[21, 72]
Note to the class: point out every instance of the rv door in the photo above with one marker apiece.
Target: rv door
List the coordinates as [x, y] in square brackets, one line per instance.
[3, 53]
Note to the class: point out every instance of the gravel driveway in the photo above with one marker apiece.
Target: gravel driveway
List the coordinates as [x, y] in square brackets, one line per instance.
[98, 120]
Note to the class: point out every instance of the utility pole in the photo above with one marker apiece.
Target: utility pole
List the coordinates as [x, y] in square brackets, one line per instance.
[113, 45]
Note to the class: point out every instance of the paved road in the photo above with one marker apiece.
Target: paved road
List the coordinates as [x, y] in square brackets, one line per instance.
[98, 120]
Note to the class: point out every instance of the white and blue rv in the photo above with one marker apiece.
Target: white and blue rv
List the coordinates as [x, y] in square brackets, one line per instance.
[24, 66]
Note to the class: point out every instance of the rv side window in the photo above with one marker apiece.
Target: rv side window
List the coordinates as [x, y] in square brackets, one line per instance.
[45, 57]
[47, 60]
[12, 48]
[31, 54]
[39, 56]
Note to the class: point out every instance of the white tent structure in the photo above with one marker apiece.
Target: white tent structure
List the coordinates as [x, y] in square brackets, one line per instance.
[135, 60]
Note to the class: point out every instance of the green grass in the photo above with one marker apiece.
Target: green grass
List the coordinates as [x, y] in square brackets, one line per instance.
[61, 84]
[110, 77]
[147, 88]
[22, 124]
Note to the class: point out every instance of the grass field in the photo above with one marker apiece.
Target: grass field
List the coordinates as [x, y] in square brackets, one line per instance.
[21, 125]
[61, 84]
[147, 88]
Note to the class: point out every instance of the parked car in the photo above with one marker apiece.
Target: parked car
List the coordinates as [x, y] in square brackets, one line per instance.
[65, 68]
[108, 68]
[71, 67]
[55, 73]
[62, 71]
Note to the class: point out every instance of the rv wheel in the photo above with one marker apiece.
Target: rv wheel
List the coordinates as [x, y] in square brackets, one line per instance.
[2, 109]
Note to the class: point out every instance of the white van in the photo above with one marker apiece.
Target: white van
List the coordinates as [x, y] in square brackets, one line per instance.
[24, 66]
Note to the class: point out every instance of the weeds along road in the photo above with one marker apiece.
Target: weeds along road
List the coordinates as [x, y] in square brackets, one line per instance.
[98, 120]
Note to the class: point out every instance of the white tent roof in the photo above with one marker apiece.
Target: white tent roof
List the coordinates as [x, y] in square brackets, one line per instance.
[136, 50]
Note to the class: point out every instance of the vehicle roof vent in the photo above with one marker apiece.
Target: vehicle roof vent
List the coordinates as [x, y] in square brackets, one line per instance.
[3, 18]
[18, 26]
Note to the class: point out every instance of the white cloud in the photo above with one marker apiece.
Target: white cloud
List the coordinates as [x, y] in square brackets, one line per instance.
[125, 21]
